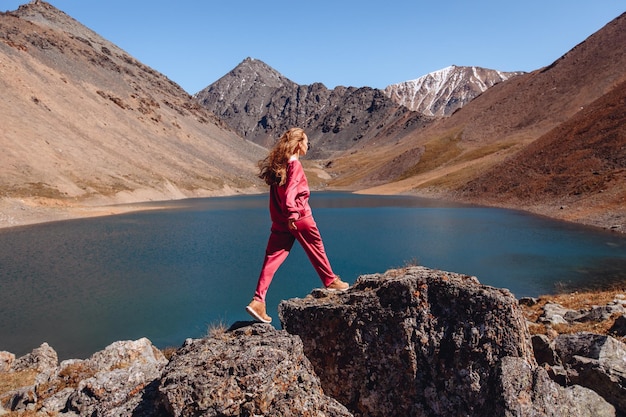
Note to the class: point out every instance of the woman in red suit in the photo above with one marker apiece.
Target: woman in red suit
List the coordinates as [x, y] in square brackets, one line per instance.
[292, 218]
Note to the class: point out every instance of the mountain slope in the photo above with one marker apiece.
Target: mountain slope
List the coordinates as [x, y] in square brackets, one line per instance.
[442, 158]
[442, 92]
[577, 170]
[260, 104]
[84, 122]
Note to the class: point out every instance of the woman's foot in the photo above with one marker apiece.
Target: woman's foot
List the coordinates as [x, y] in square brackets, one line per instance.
[257, 310]
[338, 285]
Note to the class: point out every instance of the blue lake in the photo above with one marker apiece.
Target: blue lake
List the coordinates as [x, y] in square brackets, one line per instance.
[172, 273]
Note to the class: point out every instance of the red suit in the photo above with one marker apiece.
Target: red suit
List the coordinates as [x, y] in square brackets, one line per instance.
[290, 201]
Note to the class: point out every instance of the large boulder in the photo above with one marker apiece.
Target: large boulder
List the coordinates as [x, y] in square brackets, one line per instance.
[416, 342]
[248, 371]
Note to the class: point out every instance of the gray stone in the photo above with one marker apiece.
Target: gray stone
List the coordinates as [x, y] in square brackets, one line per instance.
[544, 350]
[554, 313]
[42, 359]
[597, 362]
[253, 370]
[122, 371]
[410, 342]
[528, 392]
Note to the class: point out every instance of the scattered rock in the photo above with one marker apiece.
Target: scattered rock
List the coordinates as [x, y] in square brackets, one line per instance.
[528, 391]
[554, 313]
[597, 362]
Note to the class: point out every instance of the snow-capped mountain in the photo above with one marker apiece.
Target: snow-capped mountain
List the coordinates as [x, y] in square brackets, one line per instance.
[442, 92]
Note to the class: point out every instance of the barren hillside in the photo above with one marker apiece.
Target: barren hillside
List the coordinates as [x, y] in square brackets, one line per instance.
[577, 171]
[84, 124]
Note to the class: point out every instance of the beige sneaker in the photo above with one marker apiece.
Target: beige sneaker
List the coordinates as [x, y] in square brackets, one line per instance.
[257, 310]
[338, 285]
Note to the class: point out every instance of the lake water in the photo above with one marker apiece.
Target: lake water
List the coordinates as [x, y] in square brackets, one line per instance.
[171, 274]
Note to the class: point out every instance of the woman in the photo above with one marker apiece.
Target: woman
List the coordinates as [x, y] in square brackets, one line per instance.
[291, 218]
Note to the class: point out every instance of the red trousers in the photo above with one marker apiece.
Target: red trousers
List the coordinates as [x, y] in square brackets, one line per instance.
[280, 243]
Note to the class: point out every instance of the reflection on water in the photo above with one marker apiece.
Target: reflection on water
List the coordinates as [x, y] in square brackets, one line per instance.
[169, 274]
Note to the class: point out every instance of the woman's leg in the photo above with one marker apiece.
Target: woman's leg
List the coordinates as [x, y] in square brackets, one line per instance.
[278, 247]
[311, 240]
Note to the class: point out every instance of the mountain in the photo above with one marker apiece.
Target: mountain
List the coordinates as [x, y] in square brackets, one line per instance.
[442, 92]
[84, 122]
[551, 141]
[260, 104]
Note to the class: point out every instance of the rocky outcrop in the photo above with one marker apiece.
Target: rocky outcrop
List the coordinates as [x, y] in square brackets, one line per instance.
[117, 381]
[254, 370]
[426, 343]
[412, 341]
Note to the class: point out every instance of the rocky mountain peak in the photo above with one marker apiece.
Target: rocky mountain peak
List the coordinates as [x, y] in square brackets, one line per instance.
[259, 103]
[441, 93]
[256, 71]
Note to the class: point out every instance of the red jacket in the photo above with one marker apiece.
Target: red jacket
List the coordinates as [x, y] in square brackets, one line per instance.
[290, 200]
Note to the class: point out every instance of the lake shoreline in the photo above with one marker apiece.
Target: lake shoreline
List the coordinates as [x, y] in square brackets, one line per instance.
[15, 212]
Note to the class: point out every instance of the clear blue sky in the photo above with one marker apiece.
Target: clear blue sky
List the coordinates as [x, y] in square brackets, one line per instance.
[340, 42]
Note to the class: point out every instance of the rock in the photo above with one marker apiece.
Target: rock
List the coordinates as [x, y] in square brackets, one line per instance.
[528, 301]
[122, 371]
[113, 382]
[597, 362]
[554, 313]
[6, 361]
[43, 359]
[600, 313]
[528, 391]
[544, 350]
[253, 370]
[410, 342]
[619, 327]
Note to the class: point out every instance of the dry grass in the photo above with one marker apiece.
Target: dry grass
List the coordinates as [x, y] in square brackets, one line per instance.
[168, 352]
[574, 301]
[28, 413]
[10, 381]
[217, 330]
[437, 152]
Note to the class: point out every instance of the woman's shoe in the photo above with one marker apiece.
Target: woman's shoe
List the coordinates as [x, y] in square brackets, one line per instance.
[338, 285]
[257, 310]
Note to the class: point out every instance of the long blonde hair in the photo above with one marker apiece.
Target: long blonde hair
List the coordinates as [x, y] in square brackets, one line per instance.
[274, 166]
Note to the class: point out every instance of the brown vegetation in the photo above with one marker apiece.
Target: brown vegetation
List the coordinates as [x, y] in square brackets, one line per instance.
[583, 300]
